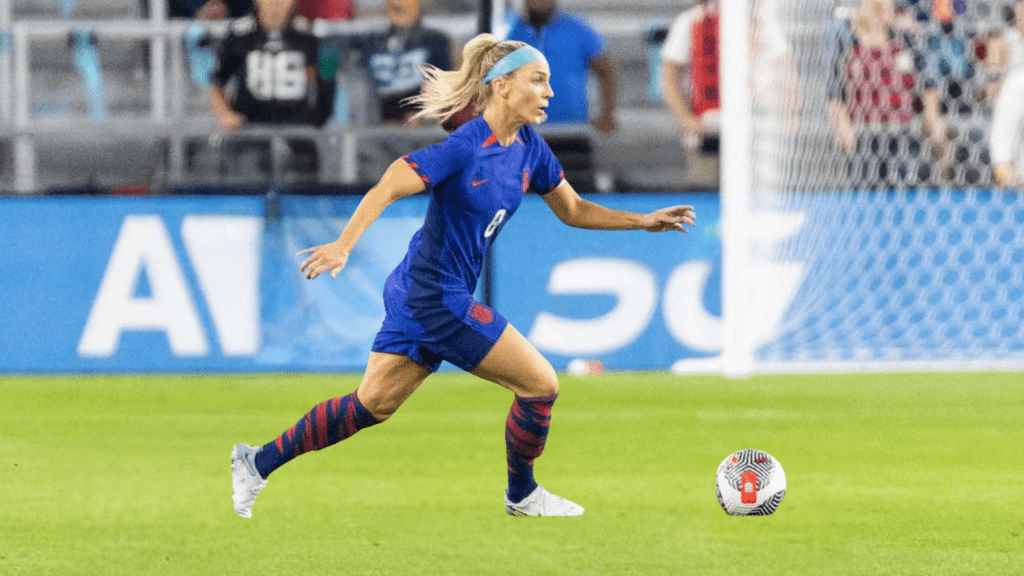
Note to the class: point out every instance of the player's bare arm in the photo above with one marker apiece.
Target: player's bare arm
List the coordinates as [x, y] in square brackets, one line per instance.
[573, 210]
[399, 181]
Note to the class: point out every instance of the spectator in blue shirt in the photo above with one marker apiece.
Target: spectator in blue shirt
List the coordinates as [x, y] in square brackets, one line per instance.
[394, 57]
[573, 49]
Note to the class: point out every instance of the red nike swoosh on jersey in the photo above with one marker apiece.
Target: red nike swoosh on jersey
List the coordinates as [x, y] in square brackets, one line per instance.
[478, 182]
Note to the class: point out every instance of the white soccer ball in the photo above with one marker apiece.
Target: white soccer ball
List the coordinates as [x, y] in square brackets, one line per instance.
[750, 483]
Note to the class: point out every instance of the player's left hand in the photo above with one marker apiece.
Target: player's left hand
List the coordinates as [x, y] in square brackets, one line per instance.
[673, 218]
[331, 257]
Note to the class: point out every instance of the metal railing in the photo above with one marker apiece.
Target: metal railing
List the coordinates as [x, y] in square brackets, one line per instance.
[5, 62]
[342, 149]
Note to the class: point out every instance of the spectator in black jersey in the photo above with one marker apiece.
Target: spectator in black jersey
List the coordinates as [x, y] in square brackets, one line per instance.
[267, 73]
[393, 58]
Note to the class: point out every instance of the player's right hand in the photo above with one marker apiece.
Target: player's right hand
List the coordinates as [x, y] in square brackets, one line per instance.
[331, 257]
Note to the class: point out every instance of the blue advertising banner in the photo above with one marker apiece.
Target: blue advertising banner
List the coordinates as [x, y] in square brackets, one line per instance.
[329, 324]
[142, 284]
[202, 283]
[633, 299]
[208, 283]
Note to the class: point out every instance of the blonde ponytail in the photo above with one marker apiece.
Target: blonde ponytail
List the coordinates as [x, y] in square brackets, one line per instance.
[445, 92]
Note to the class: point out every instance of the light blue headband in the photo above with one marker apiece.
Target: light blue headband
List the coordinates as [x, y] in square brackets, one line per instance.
[513, 61]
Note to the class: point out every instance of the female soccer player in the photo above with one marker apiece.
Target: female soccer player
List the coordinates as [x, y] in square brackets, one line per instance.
[476, 177]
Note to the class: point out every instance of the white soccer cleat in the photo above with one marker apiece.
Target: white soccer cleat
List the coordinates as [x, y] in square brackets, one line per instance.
[540, 502]
[245, 479]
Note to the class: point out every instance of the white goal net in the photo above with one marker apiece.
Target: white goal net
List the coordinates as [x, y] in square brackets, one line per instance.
[863, 227]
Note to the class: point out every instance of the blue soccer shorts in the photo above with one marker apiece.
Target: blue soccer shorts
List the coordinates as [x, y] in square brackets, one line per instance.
[455, 328]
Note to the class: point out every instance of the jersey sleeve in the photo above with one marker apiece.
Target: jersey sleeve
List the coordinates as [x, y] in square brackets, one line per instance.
[546, 173]
[439, 162]
[676, 48]
[229, 60]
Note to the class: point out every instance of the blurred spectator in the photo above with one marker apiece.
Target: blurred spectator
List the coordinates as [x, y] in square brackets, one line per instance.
[573, 49]
[312, 12]
[1007, 129]
[775, 81]
[206, 9]
[689, 76]
[690, 80]
[452, 6]
[266, 73]
[326, 9]
[1004, 50]
[871, 94]
[956, 107]
[393, 58]
[198, 47]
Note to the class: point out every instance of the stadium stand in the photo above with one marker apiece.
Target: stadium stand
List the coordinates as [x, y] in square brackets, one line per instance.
[94, 114]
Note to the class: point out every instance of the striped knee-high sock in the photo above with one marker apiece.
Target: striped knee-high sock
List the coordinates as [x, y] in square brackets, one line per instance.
[327, 423]
[526, 431]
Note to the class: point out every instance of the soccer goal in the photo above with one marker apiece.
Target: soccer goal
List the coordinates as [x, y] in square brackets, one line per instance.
[858, 232]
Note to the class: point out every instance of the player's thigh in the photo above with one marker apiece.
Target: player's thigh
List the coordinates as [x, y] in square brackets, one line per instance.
[388, 382]
[517, 365]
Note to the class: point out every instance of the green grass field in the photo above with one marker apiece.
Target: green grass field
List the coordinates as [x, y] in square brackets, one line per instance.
[888, 474]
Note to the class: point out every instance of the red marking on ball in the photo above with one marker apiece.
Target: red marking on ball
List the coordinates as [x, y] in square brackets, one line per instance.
[748, 487]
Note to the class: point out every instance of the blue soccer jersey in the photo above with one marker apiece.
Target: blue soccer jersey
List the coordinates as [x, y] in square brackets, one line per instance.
[475, 186]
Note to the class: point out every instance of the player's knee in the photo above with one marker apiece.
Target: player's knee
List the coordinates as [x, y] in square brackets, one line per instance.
[548, 387]
[542, 384]
[382, 406]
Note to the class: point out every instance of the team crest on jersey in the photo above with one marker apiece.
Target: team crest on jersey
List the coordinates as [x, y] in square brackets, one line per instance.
[526, 179]
[481, 313]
